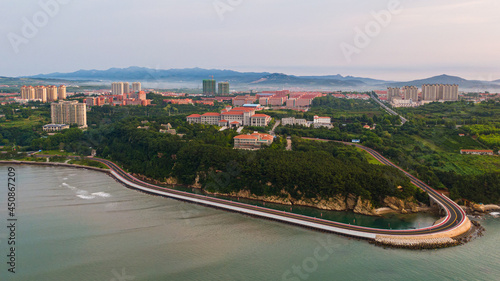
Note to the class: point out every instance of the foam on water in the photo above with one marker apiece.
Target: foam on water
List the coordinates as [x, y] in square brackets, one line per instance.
[102, 194]
[86, 197]
[69, 186]
[84, 194]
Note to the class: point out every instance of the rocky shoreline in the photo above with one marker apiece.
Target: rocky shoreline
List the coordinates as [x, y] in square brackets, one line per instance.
[338, 203]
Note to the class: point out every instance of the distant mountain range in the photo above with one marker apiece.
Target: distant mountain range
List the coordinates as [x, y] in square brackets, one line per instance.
[257, 80]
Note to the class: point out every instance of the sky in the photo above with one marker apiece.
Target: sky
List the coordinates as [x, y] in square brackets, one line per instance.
[384, 39]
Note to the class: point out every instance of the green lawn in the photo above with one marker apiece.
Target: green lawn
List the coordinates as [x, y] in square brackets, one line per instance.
[369, 157]
[464, 164]
[89, 163]
[32, 121]
[57, 152]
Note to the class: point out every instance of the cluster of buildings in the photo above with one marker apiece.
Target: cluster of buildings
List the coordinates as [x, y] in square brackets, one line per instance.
[232, 117]
[279, 99]
[137, 98]
[351, 96]
[120, 88]
[209, 88]
[189, 101]
[287, 99]
[317, 122]
[409, 96]
[43, 93]
[121, 94]
[480, 97]
[65, 113]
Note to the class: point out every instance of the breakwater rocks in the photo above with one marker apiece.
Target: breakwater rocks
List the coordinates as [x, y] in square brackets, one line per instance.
[416, 244]
[477, 230]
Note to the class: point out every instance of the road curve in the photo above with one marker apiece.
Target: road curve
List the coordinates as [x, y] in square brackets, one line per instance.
[455, 216]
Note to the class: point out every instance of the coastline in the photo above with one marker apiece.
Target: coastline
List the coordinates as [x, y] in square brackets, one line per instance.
[423, 241]
[57, 164]
[478, 211]
[356, 205]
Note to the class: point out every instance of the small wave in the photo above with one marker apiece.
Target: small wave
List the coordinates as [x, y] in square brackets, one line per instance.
[86, 197]
[495, 214]
[68, 186]
[101, 194]
[82, 192]
[65, 179]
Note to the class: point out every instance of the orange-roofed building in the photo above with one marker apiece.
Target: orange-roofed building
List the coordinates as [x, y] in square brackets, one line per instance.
[253, 141]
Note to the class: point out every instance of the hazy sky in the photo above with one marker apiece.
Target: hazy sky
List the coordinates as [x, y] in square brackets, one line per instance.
[411, 39]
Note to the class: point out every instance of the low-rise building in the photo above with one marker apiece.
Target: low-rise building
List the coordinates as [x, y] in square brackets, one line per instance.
[322, 120]
[260, 120]
[211, 118]
[55, 127]
[293, 121]
[193, 118]
[476, 152]
[253, 141]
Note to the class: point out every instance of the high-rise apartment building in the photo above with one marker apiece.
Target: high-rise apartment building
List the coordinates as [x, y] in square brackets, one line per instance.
[51, 93]
[392, 93]
[136, 87]
[27, 93]
[69, 112]
[126, 88]
[117, 88]
[436, 92]
[61, 92]
[223, 89]
[410, 93]
[450, 92]
[209, 87]
[41, 93]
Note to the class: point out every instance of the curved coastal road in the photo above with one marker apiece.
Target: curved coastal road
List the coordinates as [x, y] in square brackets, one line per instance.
[454, 218]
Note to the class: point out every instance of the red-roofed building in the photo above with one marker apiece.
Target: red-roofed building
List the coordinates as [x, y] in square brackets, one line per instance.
[179, 101]
[253, 141]
[193, 118]
[241, 100]
[211, 118]
[260, 120]
[244, 116]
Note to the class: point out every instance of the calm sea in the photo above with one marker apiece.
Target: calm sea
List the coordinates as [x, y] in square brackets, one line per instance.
[77, 224]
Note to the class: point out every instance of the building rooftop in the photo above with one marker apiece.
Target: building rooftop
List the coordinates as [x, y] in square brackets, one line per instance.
[232, 113]
[261, 115]
[194, 116]
[246, 137]
[211, 114]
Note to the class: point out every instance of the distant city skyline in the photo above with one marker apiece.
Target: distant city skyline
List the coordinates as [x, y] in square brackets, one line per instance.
[384, 39]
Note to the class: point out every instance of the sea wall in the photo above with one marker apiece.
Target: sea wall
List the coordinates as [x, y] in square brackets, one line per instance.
[14, 162]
